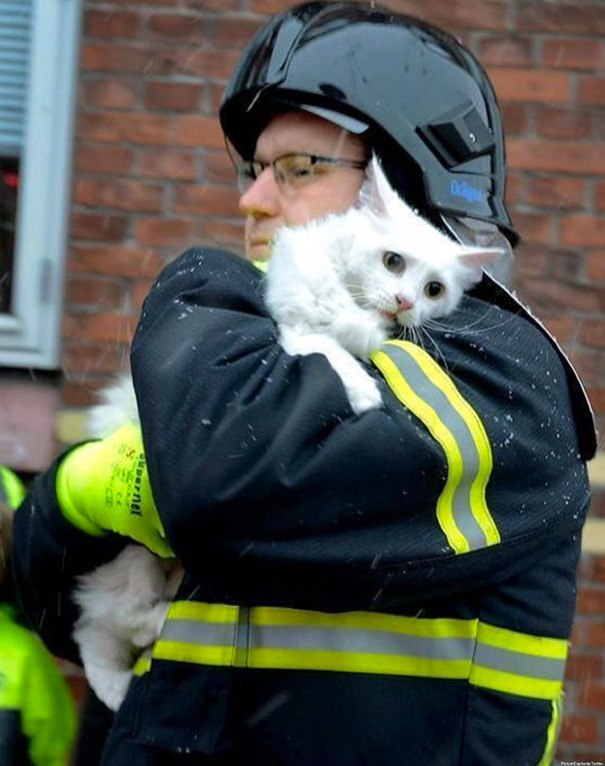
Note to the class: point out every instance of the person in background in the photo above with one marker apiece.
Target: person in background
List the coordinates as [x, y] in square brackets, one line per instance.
[395, 587]
[37, 713]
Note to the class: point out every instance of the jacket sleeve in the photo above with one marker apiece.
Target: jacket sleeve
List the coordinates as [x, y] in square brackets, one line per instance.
[48, 554]
[270, 488]
[48, 714]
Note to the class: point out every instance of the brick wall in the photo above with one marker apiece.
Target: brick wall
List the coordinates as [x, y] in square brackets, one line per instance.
[151, 178]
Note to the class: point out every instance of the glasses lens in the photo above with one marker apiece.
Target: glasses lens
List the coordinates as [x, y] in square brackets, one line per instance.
[246, 175]
[294, 170]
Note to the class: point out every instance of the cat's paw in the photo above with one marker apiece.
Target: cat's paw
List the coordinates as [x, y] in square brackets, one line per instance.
[363, 393]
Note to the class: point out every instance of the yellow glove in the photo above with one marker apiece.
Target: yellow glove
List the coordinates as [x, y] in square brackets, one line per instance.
[103, 486]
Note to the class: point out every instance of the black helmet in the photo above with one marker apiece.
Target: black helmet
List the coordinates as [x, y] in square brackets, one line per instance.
[412, 86]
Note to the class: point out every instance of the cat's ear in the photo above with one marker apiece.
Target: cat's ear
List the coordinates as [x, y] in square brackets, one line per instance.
[376, 192]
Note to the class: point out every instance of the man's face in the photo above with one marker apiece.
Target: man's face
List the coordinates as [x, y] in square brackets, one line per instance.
[268, 206]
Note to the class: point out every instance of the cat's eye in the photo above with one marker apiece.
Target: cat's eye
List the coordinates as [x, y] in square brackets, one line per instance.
[393, 262]
[434, 289]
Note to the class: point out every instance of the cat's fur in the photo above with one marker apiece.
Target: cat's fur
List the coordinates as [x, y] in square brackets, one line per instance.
[123, 603]
[330, 293]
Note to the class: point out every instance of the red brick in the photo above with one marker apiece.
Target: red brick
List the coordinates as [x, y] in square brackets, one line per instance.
[514, 118]
[115, 259]
[164, 232]
[223, 234]
[596, 394]
[139, 59]
[574, 53]
[530, 84]
[593, 332]
[555, 191]
[205, 200]
[453, 15]
[506, 51]
[139, 291]
[580, 728]
[82, 391]
[111, 93]
[209, 5]
[106, 326]
[566, 124]
[174, 96]
[138, 127]
[92, 357]
[232, 32]
[532, 260]
[569, 156]
[600, 196]
[551, 295]
[176, 27]
[583, 667]
[103, 158]
[534, 227]
[97, 227]
[195, 61]
[569, 17]
[563, 328]
[173, 164]
[110, 23]
[592, 91]
[584, 230]
[94, 291]
[194, 130]
[218, 168]
[119, 194]
[595, 265]
[592, 600]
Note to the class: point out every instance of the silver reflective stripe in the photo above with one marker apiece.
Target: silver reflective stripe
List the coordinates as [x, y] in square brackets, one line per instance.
[507, 661]
[433, 396]
[364, 642]
[355, 640]
[199, 632]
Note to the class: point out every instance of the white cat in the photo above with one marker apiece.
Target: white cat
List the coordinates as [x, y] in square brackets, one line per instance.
[341, 285]
[123, 603]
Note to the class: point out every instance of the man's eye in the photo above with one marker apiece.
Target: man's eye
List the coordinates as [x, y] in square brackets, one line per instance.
[393, 262]
[300, 171]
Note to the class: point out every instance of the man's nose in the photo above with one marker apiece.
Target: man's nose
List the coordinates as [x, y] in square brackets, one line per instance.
[262, 197]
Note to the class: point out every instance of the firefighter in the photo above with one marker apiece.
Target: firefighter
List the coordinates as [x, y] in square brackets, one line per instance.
[37, 714]
[396, 587]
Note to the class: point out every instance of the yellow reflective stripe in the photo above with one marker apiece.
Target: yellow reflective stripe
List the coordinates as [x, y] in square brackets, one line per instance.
[540, 646]
[363, 642]
[519, 663]
[479, 506]
[428, 392]
[197, 610]
[437, 627]
[181, 651]
[552, 734]
[358, 662]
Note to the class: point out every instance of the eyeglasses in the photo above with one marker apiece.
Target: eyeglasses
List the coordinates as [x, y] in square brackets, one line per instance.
[291, 171]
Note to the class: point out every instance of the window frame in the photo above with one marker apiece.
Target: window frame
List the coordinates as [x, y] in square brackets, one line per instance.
[30, 333]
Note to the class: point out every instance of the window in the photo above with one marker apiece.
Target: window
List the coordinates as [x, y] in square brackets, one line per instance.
[38, 55]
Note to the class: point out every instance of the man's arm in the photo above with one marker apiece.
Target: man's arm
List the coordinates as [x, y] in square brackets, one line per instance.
[267, 483]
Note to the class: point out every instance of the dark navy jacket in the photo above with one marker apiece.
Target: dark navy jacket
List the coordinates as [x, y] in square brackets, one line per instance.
[396, 587]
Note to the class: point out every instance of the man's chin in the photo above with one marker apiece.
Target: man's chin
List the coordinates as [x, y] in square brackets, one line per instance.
[259, 251]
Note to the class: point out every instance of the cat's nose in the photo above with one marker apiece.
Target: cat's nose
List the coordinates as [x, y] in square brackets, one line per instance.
[403, 303]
